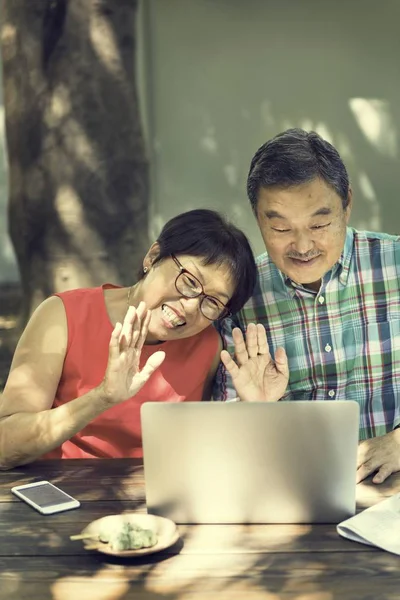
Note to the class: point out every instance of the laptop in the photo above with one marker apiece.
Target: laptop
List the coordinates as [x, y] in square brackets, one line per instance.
[239, 462]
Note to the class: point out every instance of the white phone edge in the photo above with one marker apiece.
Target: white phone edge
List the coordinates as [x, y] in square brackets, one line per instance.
[18, 489]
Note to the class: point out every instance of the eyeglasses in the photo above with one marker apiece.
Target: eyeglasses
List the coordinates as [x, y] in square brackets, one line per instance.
[188, 286]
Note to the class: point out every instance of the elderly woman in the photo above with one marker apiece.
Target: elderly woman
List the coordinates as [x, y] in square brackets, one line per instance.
[89, 358]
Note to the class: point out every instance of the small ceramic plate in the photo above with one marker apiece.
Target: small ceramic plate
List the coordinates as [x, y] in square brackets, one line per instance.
[165, 529]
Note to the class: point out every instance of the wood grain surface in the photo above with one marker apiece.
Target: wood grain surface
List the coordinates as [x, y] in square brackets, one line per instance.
[38, 561]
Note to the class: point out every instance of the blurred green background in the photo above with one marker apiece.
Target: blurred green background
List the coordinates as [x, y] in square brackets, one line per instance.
[217, 78]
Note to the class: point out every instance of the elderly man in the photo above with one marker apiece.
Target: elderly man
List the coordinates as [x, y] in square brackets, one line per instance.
[328, 294]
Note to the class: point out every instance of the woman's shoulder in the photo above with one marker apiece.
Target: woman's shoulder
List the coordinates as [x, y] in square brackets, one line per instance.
[80, 298]
[80, 293]
[86, 311]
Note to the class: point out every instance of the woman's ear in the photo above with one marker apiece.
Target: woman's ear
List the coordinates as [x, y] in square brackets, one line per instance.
[151, 257]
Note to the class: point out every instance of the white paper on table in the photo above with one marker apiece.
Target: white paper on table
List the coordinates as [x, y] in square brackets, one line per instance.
[378, 525]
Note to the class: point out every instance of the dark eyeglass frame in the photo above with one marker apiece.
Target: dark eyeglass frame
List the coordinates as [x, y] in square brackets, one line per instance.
[225, 312]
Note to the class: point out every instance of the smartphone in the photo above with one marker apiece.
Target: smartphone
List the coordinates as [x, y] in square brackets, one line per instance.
[45, 497]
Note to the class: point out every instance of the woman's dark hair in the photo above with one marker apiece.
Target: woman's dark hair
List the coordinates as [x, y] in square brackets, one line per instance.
[208, 235]
[295, 157]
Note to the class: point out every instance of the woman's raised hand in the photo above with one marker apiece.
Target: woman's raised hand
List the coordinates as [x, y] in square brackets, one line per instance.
[255, 375]
[123, 377]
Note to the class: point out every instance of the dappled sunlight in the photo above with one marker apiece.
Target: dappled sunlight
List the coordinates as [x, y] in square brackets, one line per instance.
[287, 124]
[185, 574]
[321, 127]
[368, 494]
[369, 195]
[267, 116]
[232, 539]
[10, 582]
[59, 106]
[129, 486]
[8, 40]
[323, 130]
[78, 145]
[8, 322]
[239, 212]
[100, 586]
[69, 207]
[7, 251]
[335, 137]
[104, 43]
[157, 222]
[371, 218]
[305, 577]
[316, 595]
[266, 576]
[375, 120]
[255, 561]
[366, 187]
[73, 115]
[306, 124]
[50, 336]
[343, 146]
[223, 184]
[209, 142]
[41, 535]
[231, 175]
[73, 268]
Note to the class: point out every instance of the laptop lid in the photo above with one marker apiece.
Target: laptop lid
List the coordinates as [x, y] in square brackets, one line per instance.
[284, 462]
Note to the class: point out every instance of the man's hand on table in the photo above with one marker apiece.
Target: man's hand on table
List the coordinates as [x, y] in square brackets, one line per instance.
[381, 454]
[255, 375]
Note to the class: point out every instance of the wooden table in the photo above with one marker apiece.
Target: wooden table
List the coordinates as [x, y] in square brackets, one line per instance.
[269, 562]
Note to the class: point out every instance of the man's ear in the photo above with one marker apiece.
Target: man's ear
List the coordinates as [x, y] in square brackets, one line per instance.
[349, 206]
[151, 257]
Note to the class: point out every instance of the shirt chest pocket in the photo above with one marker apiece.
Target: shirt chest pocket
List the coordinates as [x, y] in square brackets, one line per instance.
[372, 351]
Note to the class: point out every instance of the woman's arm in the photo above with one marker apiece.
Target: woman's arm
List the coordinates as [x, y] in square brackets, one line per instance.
[29, 427]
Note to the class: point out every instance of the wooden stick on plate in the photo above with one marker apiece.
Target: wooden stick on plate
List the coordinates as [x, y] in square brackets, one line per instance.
[84, 536]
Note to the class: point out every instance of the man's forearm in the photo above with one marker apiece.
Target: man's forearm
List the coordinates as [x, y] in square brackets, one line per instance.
[26, 436]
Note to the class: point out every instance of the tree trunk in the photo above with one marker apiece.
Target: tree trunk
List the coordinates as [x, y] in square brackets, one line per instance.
[78, 174]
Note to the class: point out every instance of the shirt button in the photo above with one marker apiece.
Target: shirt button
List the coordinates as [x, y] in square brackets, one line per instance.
[321, 299]
[328, 348]
[331, 393]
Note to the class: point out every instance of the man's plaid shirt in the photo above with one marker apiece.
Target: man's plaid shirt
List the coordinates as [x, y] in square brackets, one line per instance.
[344, 341]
